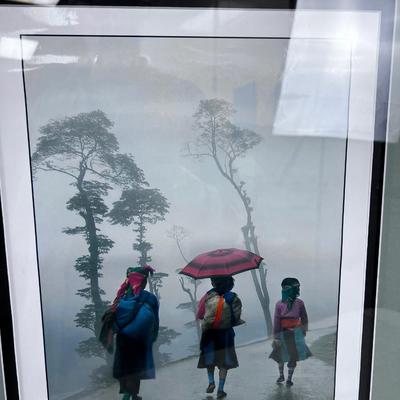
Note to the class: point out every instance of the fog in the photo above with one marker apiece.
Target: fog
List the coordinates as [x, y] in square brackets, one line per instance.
[150, 88]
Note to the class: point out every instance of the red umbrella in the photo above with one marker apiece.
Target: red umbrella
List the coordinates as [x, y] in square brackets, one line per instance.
[221, 262]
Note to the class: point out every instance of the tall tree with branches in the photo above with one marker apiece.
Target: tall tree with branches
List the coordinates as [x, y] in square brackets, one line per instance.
[225, 143]
[140, 207]
[83, 148]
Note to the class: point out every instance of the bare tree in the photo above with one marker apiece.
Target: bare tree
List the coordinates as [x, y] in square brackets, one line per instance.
[189, 285]
[224, 143]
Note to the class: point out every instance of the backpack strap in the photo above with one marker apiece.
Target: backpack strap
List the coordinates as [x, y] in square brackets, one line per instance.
[218, 313]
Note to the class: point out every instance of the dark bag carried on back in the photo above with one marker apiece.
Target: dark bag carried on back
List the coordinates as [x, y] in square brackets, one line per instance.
[135, 317]
[222, 311]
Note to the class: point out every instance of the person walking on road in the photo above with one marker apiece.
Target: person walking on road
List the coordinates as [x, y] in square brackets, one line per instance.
[219, 310]
[289, 330]
[136, 323]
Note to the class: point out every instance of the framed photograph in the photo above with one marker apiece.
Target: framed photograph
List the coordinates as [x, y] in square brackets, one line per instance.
[136, 136]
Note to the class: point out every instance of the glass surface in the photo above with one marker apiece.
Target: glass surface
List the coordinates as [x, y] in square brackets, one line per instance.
[387, 344]
[278, 166]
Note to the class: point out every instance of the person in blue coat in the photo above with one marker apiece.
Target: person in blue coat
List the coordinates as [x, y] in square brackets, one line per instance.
[133, 360]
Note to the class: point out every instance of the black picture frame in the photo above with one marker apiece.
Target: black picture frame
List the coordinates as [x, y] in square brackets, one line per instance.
[386, 8]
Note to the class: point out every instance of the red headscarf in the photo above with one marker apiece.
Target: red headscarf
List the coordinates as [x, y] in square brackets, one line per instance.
[135, 278]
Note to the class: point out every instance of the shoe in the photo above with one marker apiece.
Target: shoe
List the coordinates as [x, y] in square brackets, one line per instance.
[289, 383]
[221, 394]
[281, 379]
[210, 388]
[126, 396]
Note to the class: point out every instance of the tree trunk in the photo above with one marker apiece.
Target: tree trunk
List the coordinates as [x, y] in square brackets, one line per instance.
[93, 260]
[259, 284]
[143, 259]
[198, 325]
[192, 297]
[193, 300]
[263, 280]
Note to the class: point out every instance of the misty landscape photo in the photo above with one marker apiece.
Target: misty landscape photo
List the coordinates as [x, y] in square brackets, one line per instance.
[154, 150]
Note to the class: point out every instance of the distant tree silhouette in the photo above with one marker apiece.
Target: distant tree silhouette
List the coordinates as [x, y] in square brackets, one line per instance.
[84, 149]
[139, 207]
[188, 285]
[224, 143]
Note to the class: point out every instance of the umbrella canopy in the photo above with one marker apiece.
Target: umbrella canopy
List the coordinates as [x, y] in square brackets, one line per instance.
[221, 262]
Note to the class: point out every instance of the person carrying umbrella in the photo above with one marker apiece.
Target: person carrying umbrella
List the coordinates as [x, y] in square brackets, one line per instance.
[290, 327]
[217, 344]
[219, 309]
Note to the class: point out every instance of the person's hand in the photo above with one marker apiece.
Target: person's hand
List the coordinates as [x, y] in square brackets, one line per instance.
[304, 332]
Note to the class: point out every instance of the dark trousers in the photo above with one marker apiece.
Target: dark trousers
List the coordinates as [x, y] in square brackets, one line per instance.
[129, 384]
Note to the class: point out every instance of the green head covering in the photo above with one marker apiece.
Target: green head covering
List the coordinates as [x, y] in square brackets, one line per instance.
[290, 290]
[146, 270]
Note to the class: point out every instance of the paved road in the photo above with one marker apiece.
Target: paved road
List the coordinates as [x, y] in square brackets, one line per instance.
[253, 380]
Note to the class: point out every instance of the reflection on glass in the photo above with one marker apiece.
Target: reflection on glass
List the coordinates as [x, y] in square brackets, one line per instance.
[155, 150]
[386, 344]
[387, 348]
[2, 387]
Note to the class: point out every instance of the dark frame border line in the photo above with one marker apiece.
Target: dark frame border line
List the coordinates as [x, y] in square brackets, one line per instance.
[377, 182]
[6, 323]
